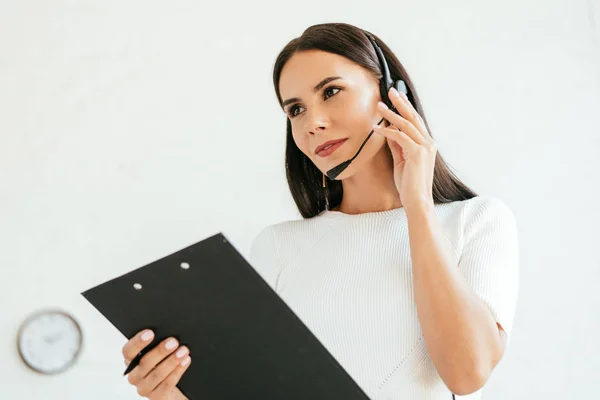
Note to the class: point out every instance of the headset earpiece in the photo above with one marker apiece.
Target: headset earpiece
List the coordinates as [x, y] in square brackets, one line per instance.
[401, 87]
[386, 81]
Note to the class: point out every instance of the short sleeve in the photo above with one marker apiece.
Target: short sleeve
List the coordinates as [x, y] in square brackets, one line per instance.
[263, 256]
[490, 257]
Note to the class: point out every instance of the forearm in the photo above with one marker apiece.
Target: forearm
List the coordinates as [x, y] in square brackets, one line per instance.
[460, 332]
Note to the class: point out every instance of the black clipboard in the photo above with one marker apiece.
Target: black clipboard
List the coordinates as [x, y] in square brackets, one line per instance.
[245, 342]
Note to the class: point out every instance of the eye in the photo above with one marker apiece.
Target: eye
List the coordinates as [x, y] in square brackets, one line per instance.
[331, 88]
[292, 111]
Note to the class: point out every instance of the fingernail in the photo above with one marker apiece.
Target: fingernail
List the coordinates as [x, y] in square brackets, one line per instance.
[181, 352]
[186, 361]
[382, 106]
[394, 92]
[147, 335]
[171, 344]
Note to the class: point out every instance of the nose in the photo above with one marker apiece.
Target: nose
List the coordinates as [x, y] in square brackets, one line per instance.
[316, 122]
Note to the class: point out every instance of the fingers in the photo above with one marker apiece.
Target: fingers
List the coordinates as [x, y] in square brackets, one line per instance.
[152, 359]
[160, 370]
[167, 385]
[133, 347]
[407, 110]
[408, 145]
[167, 373]
[402, 124]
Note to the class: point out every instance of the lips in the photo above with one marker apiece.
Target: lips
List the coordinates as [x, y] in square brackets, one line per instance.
[328, 143]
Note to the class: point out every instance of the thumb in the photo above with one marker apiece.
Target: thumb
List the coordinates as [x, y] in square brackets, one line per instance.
[397, 152]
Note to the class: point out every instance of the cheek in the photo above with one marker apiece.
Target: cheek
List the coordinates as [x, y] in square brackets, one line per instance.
[362, 112]
[301, 142]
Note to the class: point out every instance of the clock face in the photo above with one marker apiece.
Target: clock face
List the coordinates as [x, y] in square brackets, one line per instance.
[49, 341]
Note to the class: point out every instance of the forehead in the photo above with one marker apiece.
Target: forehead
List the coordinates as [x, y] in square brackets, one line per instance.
[306, 68]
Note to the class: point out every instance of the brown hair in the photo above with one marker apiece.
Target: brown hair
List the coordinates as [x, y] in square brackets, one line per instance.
[304, 178]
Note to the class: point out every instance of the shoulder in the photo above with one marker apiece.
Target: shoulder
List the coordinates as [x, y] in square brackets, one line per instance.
[476, 221]
[263, 241]
[271, 234]
[264, 255]
[482, 206]
[487, 227]
[485, 213]
[476, 211]
[295, 232]
[275, 244]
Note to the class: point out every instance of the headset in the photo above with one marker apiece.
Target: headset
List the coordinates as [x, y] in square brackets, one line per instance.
[385, 84]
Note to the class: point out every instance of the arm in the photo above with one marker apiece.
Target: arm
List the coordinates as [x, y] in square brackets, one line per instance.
[462, 336]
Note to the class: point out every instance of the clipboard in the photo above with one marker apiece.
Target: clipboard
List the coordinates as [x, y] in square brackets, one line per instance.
[245, 342]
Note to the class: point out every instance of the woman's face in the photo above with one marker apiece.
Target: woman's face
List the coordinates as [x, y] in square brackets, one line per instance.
[322, 108]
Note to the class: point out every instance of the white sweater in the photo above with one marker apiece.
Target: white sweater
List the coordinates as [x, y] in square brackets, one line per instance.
[349, 279]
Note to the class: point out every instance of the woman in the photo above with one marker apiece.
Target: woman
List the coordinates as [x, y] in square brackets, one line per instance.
[404, 274]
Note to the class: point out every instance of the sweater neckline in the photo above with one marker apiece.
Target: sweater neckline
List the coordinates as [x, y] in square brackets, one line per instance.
[394, 213]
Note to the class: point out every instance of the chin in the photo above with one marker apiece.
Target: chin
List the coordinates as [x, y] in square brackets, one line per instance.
[334, 163]
[348, 172]
[364, 158]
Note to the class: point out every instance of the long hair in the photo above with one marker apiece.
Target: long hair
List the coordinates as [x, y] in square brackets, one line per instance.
[304, 178]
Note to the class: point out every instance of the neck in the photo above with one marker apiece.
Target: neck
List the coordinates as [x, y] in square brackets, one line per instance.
[372, 188]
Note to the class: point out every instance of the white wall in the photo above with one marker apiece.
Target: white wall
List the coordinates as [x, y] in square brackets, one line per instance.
[129, 129]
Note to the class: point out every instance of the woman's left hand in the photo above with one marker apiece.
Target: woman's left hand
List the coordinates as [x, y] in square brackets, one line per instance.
[413, 150]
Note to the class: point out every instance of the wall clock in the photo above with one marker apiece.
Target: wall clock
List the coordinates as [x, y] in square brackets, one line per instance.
[49, 341]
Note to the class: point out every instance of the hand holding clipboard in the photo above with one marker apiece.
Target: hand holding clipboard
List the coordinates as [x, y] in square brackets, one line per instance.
[246, 342]
[167, 361]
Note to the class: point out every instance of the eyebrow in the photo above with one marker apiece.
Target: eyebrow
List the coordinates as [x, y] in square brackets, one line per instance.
[315, 89]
